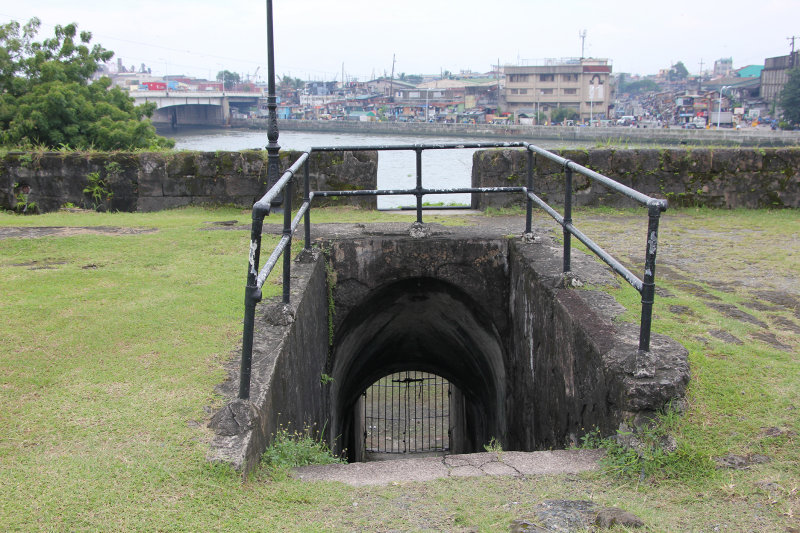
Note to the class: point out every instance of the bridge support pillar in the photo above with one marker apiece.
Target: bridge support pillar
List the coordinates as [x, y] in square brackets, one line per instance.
[225, 110]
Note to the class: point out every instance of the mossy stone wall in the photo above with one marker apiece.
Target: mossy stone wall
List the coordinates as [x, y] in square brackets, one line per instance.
[727, 177]
[162, 180]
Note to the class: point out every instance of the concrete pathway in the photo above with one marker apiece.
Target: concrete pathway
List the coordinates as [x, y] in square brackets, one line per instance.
[475, 464]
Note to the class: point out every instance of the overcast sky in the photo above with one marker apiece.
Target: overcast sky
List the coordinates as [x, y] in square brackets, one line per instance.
[317, 39]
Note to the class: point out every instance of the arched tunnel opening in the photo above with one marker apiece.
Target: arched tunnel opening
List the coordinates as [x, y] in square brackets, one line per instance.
[421, 325]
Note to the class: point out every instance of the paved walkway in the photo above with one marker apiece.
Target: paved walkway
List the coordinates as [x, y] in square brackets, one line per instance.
[475, 464]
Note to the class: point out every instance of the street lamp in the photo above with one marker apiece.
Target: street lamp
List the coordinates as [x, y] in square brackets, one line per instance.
[427, 95]
[719, 109]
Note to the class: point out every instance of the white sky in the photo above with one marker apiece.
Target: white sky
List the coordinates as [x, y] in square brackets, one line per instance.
[314, 38]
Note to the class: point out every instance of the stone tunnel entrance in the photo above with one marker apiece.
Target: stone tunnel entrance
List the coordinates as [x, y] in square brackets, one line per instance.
[428, 325]
[531, 362]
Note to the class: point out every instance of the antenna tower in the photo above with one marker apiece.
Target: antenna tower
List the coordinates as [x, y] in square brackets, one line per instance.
[582, 35]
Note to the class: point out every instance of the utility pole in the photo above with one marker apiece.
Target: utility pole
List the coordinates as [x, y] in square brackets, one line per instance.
[582, 35]
[791, 54]
[701, 67]
[391, 82]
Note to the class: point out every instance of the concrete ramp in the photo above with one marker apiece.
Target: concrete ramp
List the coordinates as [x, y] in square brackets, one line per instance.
[466, 465]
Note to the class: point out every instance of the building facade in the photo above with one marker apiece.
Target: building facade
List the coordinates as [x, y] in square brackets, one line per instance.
[776, 74]
[578, 84]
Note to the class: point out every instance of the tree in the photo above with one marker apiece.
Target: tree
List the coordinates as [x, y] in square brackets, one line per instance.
[563, 113]
[229, 79]
[288, 82]
[790, 97]
[47, 99]
[678, 71]
[641, 86]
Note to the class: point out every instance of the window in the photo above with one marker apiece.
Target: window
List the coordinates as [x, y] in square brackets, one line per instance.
[547, 77]
[570, 91]
[514, 91]
[569, 77]
[546, 91]
[523, 91]
[515, 78]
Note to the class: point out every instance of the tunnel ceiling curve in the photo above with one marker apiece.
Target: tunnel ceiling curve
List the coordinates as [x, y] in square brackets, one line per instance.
[422, 324]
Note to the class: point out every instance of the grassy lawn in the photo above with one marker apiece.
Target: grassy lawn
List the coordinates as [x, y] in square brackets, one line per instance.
[111, 345]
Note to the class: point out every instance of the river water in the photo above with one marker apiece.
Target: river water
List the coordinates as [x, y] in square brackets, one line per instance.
[441, 169]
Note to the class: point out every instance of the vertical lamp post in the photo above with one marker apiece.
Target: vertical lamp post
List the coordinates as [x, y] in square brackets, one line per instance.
[273, 159]
[427, 94]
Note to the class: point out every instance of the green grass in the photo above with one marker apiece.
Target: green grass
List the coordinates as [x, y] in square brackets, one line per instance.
[111, 346]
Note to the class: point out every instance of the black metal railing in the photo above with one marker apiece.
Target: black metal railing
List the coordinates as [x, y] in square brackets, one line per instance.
[256, 277]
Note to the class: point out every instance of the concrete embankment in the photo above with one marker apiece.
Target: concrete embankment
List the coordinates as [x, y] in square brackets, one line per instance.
[613, 135]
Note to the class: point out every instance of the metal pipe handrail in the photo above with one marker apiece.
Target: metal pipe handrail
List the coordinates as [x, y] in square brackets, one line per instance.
[265, 203]
[256, 278]
[608, 182]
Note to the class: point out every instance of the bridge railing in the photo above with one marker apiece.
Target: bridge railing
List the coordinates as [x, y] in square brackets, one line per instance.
[261, 209]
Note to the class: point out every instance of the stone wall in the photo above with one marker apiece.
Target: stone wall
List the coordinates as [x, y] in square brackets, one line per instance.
[162, 180]
[290, 350]
[742, 177]
[571, 366]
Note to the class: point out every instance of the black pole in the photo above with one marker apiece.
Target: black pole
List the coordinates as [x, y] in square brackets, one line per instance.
[252, 295]
[567, 217]
[648, 283]
[287, 232]
[419, 184]
[529, 203]
[307, 199]
[273, 159]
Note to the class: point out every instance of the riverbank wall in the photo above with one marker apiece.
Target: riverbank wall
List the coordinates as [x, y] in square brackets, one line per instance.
[719, 177]
[703, 177]
[119, 181]
[619, 136]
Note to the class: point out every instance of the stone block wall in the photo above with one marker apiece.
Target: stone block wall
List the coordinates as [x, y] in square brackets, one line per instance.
[163, 180]
[730, 178]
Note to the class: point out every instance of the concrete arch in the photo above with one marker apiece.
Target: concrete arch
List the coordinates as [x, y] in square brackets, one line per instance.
[427, 324]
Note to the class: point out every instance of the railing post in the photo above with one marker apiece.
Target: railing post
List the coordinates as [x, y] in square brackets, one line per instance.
[307, 199]
[567, 217]
[529, 203]
[287, 232]
[648, 282]
[419, 184]
[252, 295]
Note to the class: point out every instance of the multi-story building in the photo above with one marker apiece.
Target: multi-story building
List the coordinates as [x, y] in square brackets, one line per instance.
[723, 67]
[776, 74]
[578, 84]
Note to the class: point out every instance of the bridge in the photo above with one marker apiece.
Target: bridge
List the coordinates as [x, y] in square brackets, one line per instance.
[197, 107]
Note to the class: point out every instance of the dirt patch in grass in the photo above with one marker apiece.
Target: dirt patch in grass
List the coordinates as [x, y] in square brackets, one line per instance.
[68, 231]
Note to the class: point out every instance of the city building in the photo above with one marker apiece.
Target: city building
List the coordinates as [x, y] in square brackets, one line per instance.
[723, 67]
[776, 74]
[578, 84]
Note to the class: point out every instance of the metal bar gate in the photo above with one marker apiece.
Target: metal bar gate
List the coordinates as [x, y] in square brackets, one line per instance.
[407, 412]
